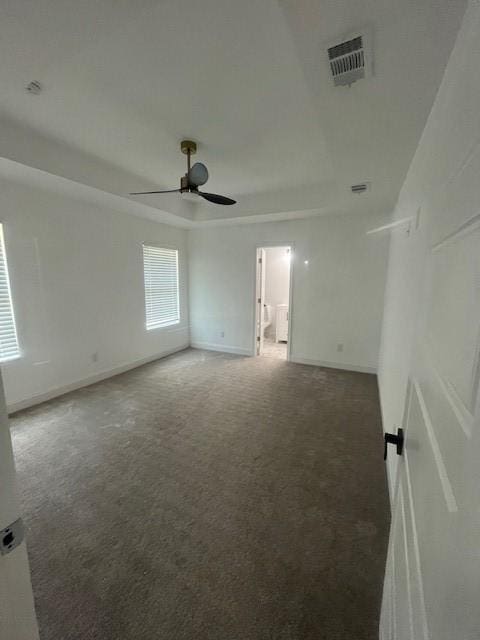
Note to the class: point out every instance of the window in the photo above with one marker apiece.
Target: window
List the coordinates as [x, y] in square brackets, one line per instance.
[8, 332]
[160, 269]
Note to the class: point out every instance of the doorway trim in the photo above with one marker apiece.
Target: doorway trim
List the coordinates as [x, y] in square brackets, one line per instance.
[269, 245]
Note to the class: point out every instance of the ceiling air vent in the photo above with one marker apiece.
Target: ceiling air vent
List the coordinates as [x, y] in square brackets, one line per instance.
[348, 61]
[359, 188]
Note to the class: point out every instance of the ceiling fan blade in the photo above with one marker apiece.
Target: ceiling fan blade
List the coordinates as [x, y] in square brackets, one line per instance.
[213, 197]
[198, 174]
[146, 193]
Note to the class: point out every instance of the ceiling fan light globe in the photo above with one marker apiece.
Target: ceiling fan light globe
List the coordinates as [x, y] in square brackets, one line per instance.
[198, 174]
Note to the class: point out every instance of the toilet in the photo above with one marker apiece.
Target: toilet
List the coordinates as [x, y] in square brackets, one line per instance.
[266, 318]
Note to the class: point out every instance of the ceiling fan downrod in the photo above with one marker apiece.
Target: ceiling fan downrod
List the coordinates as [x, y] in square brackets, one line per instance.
[189, 148]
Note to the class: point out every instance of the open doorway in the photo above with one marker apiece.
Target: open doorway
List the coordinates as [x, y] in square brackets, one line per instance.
[272, 301]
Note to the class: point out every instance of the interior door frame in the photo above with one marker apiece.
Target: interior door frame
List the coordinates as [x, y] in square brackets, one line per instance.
[260, 281]
[270, 245]
[17, 609]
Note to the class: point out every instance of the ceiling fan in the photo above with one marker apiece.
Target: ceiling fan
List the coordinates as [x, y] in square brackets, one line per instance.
[195, 177]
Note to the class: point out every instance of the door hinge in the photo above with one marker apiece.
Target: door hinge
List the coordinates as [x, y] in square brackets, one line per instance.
[258, 338]
[259, 261]
[259, 300]
[11, 537]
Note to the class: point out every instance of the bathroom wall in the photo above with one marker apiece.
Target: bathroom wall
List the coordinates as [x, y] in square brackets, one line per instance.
[277, 280]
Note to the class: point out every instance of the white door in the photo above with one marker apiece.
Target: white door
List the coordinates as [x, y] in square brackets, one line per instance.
[17, 615]
[260, 298]
[432, 584]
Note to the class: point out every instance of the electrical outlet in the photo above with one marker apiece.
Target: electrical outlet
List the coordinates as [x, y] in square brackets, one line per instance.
[340, 346]
[222, 334]
[95, 356]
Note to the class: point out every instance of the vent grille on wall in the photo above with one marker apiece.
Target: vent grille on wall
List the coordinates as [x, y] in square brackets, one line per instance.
[360, 188]
[347, 61]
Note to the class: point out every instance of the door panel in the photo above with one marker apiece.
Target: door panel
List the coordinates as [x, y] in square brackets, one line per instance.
[403, 604]
[403, 610]
[17, 615]
[438, 479]
[453, 321]
[435, 534]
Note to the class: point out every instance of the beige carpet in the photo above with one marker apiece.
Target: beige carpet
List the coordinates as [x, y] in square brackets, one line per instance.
[207, 496]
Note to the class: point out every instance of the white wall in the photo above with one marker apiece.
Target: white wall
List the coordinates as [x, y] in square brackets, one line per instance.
[77, 283]
[277, 279]
[441, 184]
[337, 297]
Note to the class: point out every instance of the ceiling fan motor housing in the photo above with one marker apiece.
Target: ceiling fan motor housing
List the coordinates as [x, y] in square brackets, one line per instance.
[188, 146]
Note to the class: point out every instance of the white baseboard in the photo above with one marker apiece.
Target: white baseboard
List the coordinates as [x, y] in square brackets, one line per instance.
[334, 365]
[225, 348]
[211, 346]
[208, 346]
[85, 382]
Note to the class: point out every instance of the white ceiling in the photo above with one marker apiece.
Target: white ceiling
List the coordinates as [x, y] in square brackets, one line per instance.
[125, 81]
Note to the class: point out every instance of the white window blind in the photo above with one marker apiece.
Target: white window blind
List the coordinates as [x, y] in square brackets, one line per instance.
[160, 268]
[8, 332]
